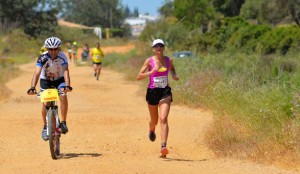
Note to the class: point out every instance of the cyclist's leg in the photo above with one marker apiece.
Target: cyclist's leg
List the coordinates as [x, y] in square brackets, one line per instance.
[44, 85]
[44, 112]
[63, 109]
[63, 103]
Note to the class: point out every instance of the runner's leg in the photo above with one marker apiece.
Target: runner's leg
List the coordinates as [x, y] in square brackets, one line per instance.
[153, 110]
[99, 70]
[164, 106]
[95, 69]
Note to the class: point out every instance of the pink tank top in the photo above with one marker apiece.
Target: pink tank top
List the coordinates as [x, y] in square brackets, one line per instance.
[159, 79]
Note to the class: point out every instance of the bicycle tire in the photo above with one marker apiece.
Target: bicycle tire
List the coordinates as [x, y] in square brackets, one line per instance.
[57, 136]
[53, 138]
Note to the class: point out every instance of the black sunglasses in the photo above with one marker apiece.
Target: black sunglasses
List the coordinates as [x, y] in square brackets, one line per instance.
[52, 49]
[158, 45]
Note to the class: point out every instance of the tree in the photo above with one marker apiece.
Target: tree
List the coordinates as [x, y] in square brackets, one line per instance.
[251, 9]
[274, 11]
[229, 8]
[270, 12]
[135, 12]
[29, 15]
[105, 13]
[294, 9]
[166, 9]
[127, 12]
[194, 13]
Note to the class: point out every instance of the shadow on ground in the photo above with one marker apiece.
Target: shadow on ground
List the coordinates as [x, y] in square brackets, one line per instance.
[75, 155]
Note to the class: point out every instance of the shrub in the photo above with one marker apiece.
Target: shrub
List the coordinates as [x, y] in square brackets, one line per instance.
[280, 40]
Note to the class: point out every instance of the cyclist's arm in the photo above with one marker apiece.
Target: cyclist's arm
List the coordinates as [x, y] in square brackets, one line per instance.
[36, 76]
[142, 73]
[66, 75]
[68, 87]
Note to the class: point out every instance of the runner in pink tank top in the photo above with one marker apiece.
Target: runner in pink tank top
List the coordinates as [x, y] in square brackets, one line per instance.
[159, 95]
[159, 79]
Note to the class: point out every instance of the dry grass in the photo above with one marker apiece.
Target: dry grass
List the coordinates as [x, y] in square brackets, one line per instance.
[4, 92]
[7, 72]
[228, 138]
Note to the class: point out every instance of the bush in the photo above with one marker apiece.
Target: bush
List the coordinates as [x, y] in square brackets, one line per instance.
[225, 31]
[246, 37]
[280, 40]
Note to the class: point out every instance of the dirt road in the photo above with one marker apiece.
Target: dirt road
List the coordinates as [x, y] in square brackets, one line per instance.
[108, 127]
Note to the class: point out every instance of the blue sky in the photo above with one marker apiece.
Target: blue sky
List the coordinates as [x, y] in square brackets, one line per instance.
[144, 6]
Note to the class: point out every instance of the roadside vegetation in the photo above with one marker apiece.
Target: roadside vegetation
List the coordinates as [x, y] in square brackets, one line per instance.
[246, 74]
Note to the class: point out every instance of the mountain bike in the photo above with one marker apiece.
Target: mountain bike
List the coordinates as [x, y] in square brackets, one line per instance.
[51, 96]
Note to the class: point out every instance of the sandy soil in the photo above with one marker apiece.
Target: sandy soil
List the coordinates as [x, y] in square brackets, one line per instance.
[108, 128]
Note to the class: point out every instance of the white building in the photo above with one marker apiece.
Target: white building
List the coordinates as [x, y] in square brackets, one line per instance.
[137, 24]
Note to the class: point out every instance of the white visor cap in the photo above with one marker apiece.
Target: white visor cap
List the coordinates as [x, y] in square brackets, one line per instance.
[157, 41]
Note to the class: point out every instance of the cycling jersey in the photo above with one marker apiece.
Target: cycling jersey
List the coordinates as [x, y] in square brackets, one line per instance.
[52, 69]
[159, 79]
[97, 55]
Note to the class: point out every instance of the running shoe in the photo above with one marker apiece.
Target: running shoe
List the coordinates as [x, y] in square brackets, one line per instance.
[64, 128]
[163, 152]
[152, 136]
[95, 74]
[44, 134]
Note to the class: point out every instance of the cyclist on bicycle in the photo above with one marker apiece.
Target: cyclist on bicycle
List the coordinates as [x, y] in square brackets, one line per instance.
[52, 69]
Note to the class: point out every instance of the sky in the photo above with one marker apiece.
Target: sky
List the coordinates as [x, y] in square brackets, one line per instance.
[144, 6]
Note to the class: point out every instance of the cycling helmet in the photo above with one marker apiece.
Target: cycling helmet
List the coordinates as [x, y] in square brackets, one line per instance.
[52, 42]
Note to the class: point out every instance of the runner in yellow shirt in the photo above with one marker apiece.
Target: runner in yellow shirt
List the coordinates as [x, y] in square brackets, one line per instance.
[74, 49]
[97, 56]
[43, 49]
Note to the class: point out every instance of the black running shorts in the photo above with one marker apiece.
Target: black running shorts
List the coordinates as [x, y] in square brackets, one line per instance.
[97, 63]
[154, 95]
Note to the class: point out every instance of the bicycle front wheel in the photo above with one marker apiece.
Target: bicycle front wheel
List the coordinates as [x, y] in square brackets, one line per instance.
[53, 137]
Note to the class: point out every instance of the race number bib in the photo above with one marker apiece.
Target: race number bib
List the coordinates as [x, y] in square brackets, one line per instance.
[160, 82]
[49, 95]
[97, 56]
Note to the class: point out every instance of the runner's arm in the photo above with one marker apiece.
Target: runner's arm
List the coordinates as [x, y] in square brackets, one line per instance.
[173, 71]
[102, 54]
[142, 73]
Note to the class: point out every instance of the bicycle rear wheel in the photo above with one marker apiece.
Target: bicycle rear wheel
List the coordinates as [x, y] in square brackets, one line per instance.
[54, 141]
